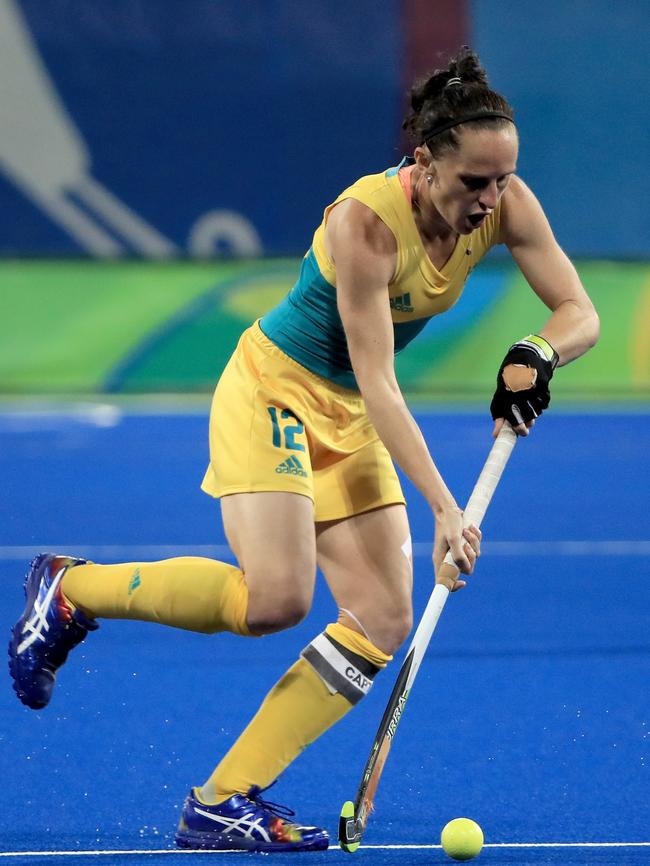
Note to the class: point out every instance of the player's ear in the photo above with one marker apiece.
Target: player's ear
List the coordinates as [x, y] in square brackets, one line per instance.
[423, 158]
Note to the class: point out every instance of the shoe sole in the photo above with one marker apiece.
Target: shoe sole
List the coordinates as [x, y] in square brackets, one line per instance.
[223, 842]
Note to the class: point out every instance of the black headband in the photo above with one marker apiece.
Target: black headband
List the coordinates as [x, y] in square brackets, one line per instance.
[480, 115]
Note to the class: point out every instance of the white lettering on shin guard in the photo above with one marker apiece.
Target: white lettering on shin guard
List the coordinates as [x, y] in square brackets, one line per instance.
[340, 669]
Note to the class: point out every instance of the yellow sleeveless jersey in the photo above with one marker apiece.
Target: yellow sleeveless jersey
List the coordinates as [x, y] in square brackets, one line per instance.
[306, 324]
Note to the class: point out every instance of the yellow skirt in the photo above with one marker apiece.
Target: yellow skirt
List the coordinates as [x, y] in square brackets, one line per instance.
[276, 426]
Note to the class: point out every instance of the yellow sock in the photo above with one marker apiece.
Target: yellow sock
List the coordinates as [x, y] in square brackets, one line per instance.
[297, 710]
[187, 592]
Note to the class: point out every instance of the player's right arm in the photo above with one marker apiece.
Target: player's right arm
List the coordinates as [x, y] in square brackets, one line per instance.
[364, 252]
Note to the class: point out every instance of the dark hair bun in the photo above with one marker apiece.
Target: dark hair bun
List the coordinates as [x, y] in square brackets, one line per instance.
[465, 66]
[434, 101]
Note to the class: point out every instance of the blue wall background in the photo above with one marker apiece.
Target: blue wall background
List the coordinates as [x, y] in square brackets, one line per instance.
[257, 116]
[264, 108]
[576, 72]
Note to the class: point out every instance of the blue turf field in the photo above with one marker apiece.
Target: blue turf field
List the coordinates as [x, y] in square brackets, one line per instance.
[530, 713]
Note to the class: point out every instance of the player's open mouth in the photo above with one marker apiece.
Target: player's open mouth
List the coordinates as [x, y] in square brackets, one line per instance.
[476, 219]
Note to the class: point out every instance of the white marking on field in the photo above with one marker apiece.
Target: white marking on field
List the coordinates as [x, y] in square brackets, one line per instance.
[333, 848]
[131, 552]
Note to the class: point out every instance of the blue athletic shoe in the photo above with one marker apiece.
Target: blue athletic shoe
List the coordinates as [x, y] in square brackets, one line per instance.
[245, 823]
[46, 632]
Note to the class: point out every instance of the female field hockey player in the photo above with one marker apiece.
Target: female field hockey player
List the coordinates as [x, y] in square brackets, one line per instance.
[306, 422]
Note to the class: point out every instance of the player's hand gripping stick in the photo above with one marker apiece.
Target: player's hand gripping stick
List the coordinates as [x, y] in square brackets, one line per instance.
[522, 391]
[354, 815]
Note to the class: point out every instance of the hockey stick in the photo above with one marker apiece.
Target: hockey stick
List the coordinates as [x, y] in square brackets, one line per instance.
[354, 816]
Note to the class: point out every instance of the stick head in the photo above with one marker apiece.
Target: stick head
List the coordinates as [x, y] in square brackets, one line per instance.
[349, 832]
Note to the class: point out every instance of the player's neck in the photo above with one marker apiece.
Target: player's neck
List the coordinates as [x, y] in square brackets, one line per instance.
[431, 225]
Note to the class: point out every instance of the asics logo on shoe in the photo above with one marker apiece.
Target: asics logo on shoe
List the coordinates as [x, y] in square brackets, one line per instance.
[402, 303]
[291, 466]
[240, 826]
[48, 629]
[38, 623]
[245, 822]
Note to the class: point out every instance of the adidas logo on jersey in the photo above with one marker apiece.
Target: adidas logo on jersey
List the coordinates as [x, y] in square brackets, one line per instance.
[291, 466]
[402, 303]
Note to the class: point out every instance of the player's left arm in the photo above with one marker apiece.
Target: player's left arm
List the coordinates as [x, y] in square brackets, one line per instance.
[573, 326]
[522, 391]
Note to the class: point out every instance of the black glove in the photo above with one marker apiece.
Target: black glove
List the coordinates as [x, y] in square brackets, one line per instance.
[522, 392]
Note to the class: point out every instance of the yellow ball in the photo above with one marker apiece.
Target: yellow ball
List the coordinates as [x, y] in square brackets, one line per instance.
[462, 839]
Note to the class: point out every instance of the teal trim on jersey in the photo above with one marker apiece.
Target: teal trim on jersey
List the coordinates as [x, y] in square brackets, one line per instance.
[406, 331]
[406, 160]
[307, 327]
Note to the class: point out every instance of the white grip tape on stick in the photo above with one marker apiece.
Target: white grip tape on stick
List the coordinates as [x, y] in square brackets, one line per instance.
[488, 480]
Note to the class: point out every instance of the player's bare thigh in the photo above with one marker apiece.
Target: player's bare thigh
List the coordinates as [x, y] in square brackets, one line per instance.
[366, 560]
[273, 537]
